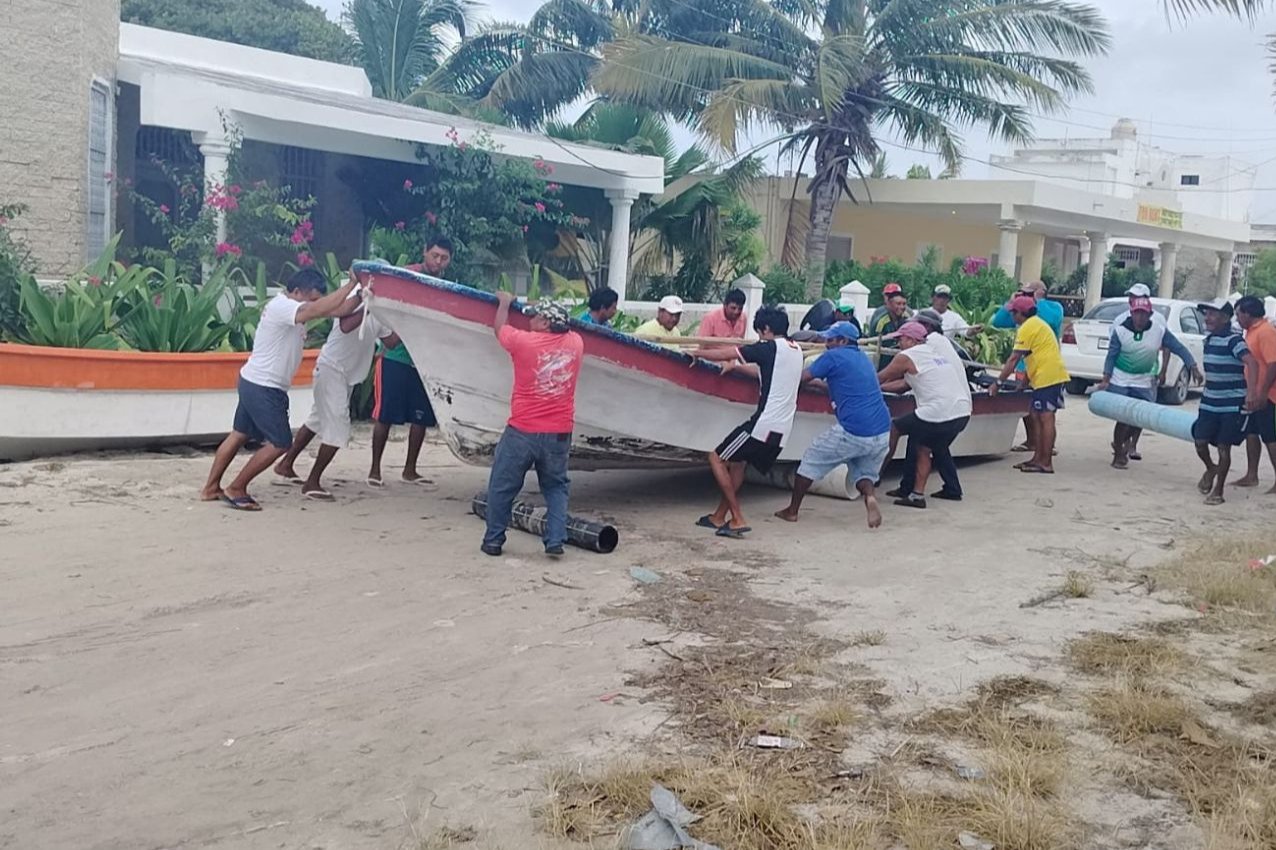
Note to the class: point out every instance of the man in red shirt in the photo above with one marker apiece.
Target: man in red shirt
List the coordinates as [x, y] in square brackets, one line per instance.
[1260, 396]
[727, 321]
[542, 414]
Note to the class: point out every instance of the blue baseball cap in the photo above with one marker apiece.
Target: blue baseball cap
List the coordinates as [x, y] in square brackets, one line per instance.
[841, 330]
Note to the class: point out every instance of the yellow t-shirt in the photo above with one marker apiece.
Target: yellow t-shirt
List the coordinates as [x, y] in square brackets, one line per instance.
[1044, 360]
[653, 328]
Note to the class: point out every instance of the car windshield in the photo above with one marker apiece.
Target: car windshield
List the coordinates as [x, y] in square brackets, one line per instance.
[1109, 310]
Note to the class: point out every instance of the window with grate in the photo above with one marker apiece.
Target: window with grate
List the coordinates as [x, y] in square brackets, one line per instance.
[300, 170]
[171, 146]
[1126, 254]
[98, 219]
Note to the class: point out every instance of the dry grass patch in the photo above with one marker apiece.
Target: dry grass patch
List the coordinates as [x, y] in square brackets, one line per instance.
[1077, 585]
[448, 837]
[1226, 576]
[1259, 709]
[873, 638]
[1132, 710]
[1124, 655]
[1004, 691]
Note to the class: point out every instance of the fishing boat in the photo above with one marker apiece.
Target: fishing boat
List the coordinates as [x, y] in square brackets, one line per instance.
[56, 400]
[638, 405]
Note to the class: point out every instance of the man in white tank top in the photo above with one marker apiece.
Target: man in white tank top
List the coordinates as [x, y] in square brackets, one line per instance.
[937, 378]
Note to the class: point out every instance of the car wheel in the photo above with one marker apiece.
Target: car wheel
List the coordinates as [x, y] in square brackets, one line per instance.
[1078, 386]
[1177, 393]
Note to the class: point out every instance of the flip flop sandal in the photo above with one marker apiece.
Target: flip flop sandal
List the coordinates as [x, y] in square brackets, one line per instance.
[733, 533]
[706, 521]
[376, 482]
[1022, 464]
[1022, 447]
[241, 503]
[1033, 468]
[1213, 500]
[1135, 456]
[285, 481]
[421, 482]
[318, 495]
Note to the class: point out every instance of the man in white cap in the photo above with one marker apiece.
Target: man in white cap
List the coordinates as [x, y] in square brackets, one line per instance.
[668, 314]
[941, 300]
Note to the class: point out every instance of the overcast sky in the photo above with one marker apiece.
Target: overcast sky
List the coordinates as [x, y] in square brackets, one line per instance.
[1196, 87]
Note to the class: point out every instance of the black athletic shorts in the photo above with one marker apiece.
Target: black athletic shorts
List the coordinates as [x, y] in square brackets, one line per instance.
[740, 446]
[1262, 422]
[1219, 429]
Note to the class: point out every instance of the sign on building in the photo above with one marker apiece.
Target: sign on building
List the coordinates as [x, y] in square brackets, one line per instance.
[1160, 217]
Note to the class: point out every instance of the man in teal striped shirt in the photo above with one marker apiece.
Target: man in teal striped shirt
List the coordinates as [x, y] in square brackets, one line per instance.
[1220, 421]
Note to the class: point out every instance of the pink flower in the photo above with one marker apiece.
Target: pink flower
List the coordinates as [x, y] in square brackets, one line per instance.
[94, 280]
[304, 259]
[3, 221]
[462, 146]
[158, 300]
[303, 233]
[525, 228]
[431, 217]
[164, 208]
[407, 184]
[110, 175]
[236, 189]
[540, 208]
[399, 225]
[228, 249]
[554, 187]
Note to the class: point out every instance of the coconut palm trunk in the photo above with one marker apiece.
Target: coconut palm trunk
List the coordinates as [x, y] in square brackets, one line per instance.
[825, 193]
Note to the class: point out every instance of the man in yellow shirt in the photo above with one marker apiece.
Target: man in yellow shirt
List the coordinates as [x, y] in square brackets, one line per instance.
[668, 314]
[1036, 344]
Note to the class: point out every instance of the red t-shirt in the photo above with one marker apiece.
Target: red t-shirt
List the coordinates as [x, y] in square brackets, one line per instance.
[546, 366]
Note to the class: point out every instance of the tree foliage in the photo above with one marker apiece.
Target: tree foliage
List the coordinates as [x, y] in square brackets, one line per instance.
[400, 43]
[286, 26]
[1261, 280]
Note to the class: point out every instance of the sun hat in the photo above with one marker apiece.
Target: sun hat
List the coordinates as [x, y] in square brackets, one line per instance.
[554, 312]
[671, 304]
[943, 289]
[1140, 304]
[1222, 305]
[1139, 290]
[1022, 303]
[913, 330]
[841, 330]
[892, 289]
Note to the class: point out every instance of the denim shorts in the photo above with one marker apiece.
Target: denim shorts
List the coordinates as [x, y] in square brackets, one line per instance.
[863, 456]
[1141, 393]
[262, 414]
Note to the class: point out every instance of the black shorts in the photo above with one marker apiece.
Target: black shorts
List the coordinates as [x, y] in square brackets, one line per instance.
[400, 395]
[932, 435]
[262, 414]
[1048, 399]
[1262, 423]
[740, 446]
[1219, 429]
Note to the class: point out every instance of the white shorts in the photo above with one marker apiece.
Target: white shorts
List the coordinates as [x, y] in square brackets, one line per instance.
[330, 413]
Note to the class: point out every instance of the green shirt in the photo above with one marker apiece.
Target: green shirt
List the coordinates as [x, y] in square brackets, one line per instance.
[399, 354]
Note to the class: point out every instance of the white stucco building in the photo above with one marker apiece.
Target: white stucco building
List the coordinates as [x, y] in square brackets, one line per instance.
[93, 102]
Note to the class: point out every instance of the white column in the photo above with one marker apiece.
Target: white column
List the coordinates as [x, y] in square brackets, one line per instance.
[1094, 274]
[216, 153]
[1008, 245]
[1223, 283]
[754, 297]
[857, 294]
[622, 200]
[1169, 262]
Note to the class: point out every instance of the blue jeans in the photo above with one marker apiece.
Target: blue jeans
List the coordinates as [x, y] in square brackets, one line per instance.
[516, 453]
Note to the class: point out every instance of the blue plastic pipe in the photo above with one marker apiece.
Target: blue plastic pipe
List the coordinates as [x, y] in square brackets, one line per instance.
[1170, 421]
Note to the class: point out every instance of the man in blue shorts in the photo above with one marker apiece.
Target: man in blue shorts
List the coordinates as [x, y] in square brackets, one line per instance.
[1220, 421]
[861, 434]
[400, 394]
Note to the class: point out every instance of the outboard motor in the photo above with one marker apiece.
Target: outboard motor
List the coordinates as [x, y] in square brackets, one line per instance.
[820, 317]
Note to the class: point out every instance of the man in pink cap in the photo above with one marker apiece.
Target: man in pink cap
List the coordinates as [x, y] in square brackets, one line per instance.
[1037, 346]
[935, 374]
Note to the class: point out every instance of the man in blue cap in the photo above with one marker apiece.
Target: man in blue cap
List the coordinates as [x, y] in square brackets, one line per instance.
[861, 434]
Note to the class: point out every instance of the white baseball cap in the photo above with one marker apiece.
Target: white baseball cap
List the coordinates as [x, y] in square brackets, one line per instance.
[671, 304]
[1139, 290]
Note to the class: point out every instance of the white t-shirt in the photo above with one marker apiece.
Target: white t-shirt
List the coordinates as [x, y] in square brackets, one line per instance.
[940, 385]
[952, 322]
[780, 363]
[351, 353]
[276, 346]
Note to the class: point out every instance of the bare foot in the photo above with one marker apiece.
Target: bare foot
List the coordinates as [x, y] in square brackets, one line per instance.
[1206, 484]
[207, 495]
[285, 471]
[1247, 481]
[1214, 499]
[874, 512]
[788, 515]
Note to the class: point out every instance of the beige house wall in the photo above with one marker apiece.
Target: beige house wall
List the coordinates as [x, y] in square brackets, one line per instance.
[56, 49]
[875, 232]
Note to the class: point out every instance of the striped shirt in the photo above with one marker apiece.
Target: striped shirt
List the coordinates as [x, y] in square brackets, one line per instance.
[1224, 373]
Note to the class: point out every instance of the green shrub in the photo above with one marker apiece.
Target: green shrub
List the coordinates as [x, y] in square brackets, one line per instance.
[784, 286]
[15, 266]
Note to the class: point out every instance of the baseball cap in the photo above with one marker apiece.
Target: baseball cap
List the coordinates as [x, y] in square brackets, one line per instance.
[1139, 303]
[892, 289]
[671, 304]
[1139, 290]
[1022, 303]
[912, 330]
[845, 304]
[929, 317]
[554, 312]
[943, 289]
[1220, 304]
[841, 330]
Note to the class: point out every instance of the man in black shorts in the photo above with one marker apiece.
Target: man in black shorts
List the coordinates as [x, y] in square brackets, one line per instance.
[1220, 421]
[778, 363]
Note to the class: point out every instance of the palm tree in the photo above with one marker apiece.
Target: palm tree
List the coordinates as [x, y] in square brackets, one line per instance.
[834, 74]
[400, 43]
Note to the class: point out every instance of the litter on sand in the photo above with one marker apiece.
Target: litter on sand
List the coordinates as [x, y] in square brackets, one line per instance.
[774, 742]
[970, 841]
[775, 684]
[642, 575]
[965, 771]
[665, 826]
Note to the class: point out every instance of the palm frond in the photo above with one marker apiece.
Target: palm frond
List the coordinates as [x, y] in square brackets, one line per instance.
[1248, 9]
[1062, 25]
[571, 22]
[840, 67]
[740, 104]
[539, 85]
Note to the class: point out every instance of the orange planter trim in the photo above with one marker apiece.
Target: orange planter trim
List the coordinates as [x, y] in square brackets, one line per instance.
[90, 369]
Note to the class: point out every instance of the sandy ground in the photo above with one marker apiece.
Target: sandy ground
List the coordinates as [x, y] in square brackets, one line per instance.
[354, 675]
